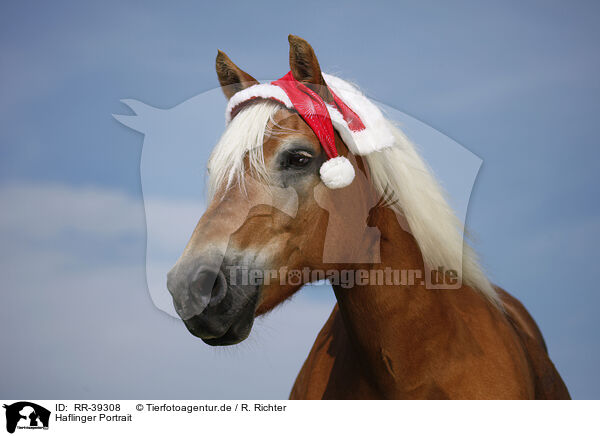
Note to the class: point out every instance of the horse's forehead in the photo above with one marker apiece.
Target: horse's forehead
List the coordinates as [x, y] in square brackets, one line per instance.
[286, 124]
[290, 120]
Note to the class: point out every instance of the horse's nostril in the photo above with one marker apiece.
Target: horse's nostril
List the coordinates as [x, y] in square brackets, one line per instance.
[219, 289]
[194, 288]
[208, 285]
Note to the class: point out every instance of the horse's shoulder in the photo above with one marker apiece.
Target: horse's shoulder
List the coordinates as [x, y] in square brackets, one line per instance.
[548, 382]
[520, 316]
[332, 369]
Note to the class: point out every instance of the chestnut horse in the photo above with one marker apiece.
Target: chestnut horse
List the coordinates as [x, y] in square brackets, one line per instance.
[270, 211]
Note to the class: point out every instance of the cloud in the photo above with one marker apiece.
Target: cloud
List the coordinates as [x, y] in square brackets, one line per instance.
[42, 212]
[82, 326]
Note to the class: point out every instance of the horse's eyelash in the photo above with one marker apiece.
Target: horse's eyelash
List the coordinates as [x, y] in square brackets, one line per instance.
[301, 152]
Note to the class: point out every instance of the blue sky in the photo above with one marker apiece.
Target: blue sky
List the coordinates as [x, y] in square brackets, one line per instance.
[514, 82]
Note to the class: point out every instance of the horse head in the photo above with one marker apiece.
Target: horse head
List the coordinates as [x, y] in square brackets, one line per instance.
[271, 217]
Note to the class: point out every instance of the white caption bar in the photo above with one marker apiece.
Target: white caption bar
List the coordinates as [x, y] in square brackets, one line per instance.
[300, 417]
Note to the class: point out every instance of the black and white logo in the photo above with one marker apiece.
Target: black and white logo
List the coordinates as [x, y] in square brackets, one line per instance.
[26, 415]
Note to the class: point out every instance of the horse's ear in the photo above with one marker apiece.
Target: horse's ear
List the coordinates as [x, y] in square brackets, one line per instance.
[305, 67]
[231, 77]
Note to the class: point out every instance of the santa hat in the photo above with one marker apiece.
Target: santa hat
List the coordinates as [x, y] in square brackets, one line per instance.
[358, 121]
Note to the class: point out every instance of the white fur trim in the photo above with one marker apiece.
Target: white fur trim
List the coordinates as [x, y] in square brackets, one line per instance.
[262, 90]
[375, 137]
[337, 172]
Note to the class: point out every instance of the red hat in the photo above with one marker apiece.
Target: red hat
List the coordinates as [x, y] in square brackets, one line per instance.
[336, 172]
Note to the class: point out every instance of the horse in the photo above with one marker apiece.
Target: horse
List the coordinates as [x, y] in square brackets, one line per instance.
[395, 338]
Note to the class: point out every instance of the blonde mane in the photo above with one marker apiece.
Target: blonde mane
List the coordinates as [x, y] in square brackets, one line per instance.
[398, 173]
[401, 172]
[243, 136]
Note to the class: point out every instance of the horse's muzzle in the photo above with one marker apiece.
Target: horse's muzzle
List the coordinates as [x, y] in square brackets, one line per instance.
[210, 308]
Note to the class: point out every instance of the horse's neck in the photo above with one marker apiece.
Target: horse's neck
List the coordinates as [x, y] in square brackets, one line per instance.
[394, 328]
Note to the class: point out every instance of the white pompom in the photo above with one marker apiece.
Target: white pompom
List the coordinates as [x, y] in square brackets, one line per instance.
[337, 172]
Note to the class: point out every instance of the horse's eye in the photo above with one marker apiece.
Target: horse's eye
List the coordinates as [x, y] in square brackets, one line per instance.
[297, 159]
